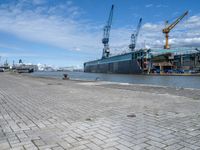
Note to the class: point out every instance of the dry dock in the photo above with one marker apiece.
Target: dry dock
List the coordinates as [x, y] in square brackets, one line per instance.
[38, 113]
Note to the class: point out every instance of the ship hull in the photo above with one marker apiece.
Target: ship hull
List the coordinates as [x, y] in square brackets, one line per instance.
[146, 62]
[122, 67]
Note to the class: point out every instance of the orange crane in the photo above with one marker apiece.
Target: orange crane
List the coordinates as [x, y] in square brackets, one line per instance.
[167, 29]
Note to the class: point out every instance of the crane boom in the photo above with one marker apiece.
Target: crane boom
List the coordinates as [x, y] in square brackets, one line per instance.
[135, 35]
[106, 34]
[197, 49]
[170, 27]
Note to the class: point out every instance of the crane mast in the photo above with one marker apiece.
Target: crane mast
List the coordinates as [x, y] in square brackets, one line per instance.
[134, 36]
[106, 34]
[167, 29]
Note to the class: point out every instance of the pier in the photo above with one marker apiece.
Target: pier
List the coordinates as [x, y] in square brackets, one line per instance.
[45, 113]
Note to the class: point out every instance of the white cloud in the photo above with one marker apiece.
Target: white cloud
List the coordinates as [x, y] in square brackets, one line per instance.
[185, 34]
[161, 6]
[17, 54]
[37, 2]
[15, 51]
[149, 5]
[61, 25]
[51, 28]
[6, 46]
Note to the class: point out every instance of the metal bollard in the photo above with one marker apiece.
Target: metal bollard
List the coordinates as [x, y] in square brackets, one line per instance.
[65, 77]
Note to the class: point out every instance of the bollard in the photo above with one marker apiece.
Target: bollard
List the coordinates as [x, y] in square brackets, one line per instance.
[65, 77]
[97, 78]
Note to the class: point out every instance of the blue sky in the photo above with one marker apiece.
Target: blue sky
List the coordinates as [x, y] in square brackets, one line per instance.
[66, 33]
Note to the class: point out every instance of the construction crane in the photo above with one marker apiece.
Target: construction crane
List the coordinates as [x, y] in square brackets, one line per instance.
[106, 35]
[197, 49]
[134, 36]
[167, 29]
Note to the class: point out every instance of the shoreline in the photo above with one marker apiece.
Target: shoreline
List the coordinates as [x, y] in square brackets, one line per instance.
[193, 93]
[111, 82]
[170, 81]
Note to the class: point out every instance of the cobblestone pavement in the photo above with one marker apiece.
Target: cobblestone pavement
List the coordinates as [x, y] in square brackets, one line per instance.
[38, 113]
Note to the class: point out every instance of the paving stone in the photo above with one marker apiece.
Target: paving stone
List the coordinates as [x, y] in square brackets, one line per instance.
[38, 142]
[93, 146]
[153, 148]
[4, 146]
[174, 147]
[65, 145]
[122, 147]
[157, 144]
[18, 148]
[57, 148]
[43, 114]
[110, 144]
[81, 147]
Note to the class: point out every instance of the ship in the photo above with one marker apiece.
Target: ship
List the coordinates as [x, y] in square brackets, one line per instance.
[23, 68]
[146, 61]
[149, 61]
[128, 63]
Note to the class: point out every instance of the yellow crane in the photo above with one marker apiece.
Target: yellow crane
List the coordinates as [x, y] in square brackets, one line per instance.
[168, 28]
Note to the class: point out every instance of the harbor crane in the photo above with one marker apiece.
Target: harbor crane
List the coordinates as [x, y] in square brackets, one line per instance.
[134, 36]
[197, 49]
[168, 28]
[106, 35]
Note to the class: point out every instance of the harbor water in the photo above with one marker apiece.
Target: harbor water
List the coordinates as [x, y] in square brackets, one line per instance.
[171, 81]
